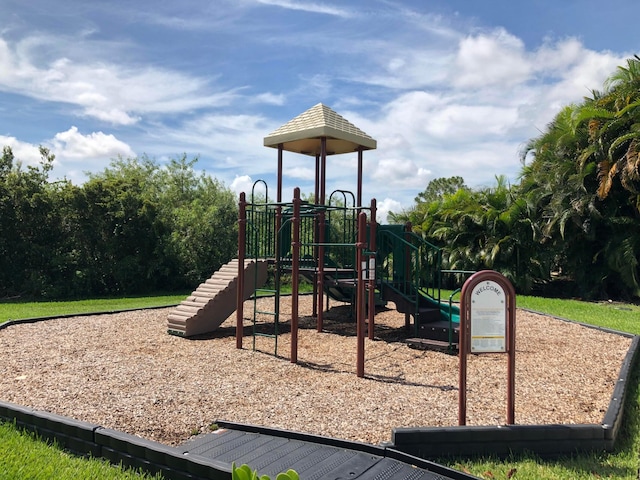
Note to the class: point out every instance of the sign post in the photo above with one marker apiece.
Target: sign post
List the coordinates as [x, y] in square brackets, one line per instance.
[487, 325]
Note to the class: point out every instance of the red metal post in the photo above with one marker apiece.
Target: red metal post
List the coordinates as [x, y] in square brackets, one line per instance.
[511, 345]
[360, 327]
[316, 192]
[276, 239]
[407, 279]
[316, 227]
[242, 235]
[320, 271]
[463, 349]
[359, 192]
[279, 184]
[321, 231]
[323, 170]
[295, 273]
[372, 271]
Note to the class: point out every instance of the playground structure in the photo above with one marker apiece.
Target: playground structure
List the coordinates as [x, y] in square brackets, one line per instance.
[335, 242]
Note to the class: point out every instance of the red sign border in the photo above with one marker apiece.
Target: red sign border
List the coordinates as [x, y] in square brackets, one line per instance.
[465, 339]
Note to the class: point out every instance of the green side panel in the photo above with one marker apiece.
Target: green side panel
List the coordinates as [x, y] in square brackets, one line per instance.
[390, 252]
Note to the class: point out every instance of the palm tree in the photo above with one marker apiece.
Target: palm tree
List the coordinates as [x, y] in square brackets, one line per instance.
[586, 179]
[562, 186]
[614, 124]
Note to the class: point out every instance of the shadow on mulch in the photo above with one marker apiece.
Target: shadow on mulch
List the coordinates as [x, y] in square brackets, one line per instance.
[338, 320]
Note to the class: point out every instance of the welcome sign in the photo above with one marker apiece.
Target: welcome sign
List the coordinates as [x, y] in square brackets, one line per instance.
[488, 318]
[487, 325]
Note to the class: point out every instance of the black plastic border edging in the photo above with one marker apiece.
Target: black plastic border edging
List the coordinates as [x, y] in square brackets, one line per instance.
[90, 439]
[544, 440]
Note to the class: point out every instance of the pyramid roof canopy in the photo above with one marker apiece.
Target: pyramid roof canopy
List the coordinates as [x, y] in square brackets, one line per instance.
[303, 133]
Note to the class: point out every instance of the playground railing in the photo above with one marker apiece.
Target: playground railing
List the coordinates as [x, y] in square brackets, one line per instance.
[459, 277]
[261, 231]
[409, 265]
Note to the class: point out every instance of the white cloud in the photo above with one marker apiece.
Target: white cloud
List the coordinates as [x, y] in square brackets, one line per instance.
[399, 173]
[440, 96]
[409, 68]
[110, 92]
[384, 207]
[470, 122]
[555, 57]
[495, 59]
[24, 152]
[72, 145]
[228, 141]
[270, 98]
[75, 153]
[313, 7]
[299, 172]
[241, 183]
[476, 124]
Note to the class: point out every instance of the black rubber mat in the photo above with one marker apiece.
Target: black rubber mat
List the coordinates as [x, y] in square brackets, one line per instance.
[272, 454]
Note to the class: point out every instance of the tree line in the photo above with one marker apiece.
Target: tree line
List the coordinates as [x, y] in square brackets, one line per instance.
[572, 221]
[134, 228]
[574, 215]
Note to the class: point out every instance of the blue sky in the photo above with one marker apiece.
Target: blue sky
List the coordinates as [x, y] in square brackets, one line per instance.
[446, 87]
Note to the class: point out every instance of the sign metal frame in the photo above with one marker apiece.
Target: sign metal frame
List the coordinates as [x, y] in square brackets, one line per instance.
[487, 325]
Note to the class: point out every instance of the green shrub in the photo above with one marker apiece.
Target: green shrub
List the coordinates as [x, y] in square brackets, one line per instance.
[244, 472]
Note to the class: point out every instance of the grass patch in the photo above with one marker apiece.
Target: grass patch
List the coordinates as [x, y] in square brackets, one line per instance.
[617, 316]
[23, 455]
[14, 310]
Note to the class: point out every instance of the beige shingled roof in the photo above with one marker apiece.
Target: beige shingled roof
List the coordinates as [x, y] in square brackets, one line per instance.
[303, 133]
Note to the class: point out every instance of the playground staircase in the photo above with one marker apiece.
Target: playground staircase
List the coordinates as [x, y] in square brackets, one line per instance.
[215, 299]
[431, 329]
[409, 272]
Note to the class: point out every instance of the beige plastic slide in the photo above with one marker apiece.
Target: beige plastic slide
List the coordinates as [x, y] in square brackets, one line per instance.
[215, 299]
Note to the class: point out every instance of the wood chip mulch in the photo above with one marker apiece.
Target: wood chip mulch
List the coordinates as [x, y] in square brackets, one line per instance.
[123, 371]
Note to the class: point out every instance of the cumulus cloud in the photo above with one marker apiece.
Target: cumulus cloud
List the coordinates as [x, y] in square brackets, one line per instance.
[441, 97]
[75, 153]
[24, 152]
[494, 59]
[384, 207]
[498, 95]
[241, 183]
[73, 145]
[393, 173]
[300, 172]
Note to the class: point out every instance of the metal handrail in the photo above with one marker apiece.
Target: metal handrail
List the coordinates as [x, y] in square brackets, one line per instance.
[401, 240]
[419, 257]
[455, 292]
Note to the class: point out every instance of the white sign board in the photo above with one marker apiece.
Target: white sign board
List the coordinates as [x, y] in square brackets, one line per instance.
[488, 318]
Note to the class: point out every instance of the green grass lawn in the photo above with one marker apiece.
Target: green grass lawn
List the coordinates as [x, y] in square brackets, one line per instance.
[14, 310]
[22, 455]
[623, 463]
